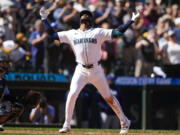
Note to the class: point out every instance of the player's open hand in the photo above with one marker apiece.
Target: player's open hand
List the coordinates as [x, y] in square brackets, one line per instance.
[43, 13]
[135, 15]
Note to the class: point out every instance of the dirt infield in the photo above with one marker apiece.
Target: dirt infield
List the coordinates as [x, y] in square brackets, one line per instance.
[80, 133]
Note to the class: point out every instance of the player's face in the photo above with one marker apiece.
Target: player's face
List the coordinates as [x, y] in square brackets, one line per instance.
[85, 19]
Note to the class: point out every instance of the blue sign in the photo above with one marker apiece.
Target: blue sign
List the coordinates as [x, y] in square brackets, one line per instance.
[133, 81]
[36, 77]
[126, 81]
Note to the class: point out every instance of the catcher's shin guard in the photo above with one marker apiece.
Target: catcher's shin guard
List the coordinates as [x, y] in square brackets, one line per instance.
[9, 111]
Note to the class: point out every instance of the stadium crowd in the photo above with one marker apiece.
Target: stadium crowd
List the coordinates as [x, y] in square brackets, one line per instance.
[151, 47]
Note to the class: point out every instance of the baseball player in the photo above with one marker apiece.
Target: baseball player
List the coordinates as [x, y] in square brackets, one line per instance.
[11, 106]
[86, 44]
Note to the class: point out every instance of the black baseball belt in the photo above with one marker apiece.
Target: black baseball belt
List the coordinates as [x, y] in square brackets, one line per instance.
[88, 66]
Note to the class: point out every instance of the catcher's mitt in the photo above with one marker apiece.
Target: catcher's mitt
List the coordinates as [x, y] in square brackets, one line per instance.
[32, 99]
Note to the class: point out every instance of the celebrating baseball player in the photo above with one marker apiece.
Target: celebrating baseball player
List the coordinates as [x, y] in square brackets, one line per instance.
[12, 106]
[86, 44]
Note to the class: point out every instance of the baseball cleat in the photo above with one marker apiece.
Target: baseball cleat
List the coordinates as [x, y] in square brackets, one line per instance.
[64, 130]
[125, 127]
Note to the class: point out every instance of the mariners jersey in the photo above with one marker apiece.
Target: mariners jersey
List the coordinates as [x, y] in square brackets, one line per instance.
[86, 44]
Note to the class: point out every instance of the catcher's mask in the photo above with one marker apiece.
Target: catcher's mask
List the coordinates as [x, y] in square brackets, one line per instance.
[4, 64]
[86, 19]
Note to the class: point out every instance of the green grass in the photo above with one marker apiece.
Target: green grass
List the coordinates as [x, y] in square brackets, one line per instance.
[82, 130]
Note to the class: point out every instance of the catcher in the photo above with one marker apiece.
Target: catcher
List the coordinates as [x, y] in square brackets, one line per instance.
[11, 107]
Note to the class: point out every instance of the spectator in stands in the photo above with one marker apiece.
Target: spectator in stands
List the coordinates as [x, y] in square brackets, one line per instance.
[117, 13]
[44, 113]
[9, 33]
[37, 41]
[177, 29]
[109, 49]
[32, 16]
[174, 12]
[80, 5]
[20, 55]
[65, 15]
[173, 56]
[147, 50]
[2, 36]
[54, 52]
[151, 13]
[102, 14]
[68, 16]
[129, 51]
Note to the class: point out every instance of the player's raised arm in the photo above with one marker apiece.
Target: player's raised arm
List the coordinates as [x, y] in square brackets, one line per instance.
[121, 29]
[44, 14]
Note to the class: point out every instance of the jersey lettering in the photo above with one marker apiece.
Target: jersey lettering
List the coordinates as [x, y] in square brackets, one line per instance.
[85, 40]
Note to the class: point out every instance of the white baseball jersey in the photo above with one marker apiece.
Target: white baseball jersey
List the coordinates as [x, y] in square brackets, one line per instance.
[87, 49]
[86, 44]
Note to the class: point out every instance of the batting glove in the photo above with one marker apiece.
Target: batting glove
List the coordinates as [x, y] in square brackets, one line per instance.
[135, 15]
[43, 14]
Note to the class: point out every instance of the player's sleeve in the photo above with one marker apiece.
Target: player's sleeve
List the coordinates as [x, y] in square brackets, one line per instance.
[49, 29]
[105, 34]
[64, 36]
[118, 32]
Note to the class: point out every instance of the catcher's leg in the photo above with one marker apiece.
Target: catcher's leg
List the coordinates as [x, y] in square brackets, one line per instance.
[78, 82]
[1, 128]
[16, 112]
[9, 111]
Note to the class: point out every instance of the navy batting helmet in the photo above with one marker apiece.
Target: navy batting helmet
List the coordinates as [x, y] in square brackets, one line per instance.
[87, 12]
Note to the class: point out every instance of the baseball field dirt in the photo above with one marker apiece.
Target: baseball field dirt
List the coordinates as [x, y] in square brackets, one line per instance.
[52, 132]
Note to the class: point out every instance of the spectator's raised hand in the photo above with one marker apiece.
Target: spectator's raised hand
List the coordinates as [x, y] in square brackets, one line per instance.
[43, 13]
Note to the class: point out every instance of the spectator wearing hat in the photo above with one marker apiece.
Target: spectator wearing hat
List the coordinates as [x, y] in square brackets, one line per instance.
[147, 50]
[20, 54]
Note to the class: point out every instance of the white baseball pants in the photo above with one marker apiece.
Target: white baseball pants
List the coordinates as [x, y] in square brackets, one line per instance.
[95, 76]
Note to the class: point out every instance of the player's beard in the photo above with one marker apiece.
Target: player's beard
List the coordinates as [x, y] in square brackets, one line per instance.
[86, 21]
